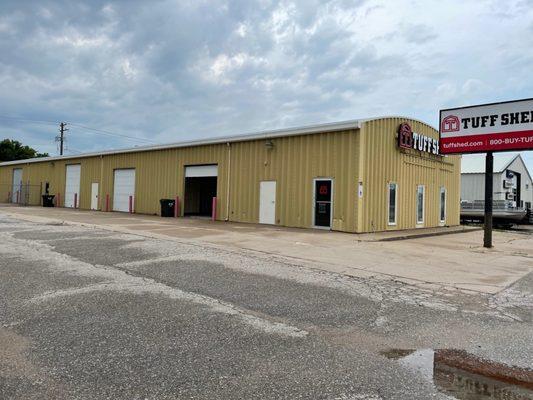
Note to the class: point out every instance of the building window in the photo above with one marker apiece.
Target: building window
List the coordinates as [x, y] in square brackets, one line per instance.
[392, 189]
[420, 204]
[443, 204]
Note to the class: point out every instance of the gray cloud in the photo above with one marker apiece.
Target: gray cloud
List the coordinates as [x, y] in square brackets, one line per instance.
[418, 33]
[174, 70]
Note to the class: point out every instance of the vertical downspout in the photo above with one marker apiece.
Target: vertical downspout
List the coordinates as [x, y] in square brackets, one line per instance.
[228, 181]
[361, 173]
[101, 184]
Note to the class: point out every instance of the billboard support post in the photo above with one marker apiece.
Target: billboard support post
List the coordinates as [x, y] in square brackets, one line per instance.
[489, 166]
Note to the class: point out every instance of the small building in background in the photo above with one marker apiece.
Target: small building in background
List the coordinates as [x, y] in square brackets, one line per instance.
[513, 185]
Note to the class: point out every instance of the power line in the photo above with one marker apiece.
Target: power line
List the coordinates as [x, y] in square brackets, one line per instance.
[71, 150]
[104, 132]
[29, 120]
[92, 130]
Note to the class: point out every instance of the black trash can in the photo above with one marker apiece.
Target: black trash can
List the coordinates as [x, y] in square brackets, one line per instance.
[48, 200]
[167, 207]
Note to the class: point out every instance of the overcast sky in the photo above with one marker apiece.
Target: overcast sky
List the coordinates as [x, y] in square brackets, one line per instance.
[167, 71]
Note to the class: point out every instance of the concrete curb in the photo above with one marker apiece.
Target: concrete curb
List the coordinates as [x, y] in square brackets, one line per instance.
[428, 234]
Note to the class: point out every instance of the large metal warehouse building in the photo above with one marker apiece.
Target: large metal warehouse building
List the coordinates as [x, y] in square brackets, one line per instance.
[355, 176]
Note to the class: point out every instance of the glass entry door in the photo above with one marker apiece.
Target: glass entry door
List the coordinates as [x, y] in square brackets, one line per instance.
[323, 202]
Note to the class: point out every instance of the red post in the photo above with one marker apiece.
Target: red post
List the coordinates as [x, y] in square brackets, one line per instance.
[131, 204]
[107, 202]
[214, 209]
[75, 200]
[177, 207]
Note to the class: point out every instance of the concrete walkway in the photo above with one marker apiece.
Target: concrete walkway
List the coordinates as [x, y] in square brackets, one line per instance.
[453, 261]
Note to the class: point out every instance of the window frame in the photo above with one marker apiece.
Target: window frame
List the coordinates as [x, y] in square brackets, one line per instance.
[421, 222]
[389, 223]
[443, 190]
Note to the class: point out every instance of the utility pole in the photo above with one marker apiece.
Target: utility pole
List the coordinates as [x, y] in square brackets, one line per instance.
[61, 137]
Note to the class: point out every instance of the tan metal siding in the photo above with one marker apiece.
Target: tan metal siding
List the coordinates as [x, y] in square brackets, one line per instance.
[384, 162]
[6, 176]
[160, 174]
[293, 162]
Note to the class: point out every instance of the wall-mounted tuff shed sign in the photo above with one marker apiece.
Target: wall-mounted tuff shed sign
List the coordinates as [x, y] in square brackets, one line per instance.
[488, 127]
[407, 139]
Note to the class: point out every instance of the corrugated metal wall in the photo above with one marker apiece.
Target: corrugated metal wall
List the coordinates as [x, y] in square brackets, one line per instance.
[159, 174]
[293, 163]
[473, 187]
[383, 162]
[6, 179]
[370, 156]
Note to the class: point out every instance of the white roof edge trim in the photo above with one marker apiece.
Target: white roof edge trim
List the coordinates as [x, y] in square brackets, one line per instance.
[519, 157]
[398, 117]
[511, 161]
[271, 134]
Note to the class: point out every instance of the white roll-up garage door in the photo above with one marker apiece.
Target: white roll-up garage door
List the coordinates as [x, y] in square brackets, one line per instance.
[200, 171]
[17, 185]
[72, 186]
[123, 188]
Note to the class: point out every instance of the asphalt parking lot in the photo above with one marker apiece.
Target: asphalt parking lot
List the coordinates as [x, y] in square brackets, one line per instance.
[88, 313]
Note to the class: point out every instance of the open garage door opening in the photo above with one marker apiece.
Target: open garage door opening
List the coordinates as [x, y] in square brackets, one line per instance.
[200, 188]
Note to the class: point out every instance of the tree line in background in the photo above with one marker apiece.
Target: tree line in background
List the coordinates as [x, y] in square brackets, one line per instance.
[11, 150]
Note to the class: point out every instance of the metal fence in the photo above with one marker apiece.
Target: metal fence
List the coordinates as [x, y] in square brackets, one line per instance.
[22, 194]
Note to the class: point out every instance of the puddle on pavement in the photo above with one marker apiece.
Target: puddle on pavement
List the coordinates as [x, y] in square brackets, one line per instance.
[464, 376]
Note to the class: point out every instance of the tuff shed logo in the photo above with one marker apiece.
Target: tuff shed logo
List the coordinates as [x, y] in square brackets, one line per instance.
[450, 124]
[405, 136]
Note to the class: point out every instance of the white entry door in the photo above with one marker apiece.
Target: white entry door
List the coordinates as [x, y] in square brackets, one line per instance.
[16, 194]
[94, 196]
[123, 188]
[72, 186]
[267, 202]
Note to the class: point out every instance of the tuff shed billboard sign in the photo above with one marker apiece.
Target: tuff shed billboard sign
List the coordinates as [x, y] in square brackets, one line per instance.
[488, 127]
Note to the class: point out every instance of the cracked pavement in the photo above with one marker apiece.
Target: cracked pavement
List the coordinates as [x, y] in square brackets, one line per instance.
[87, 313]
